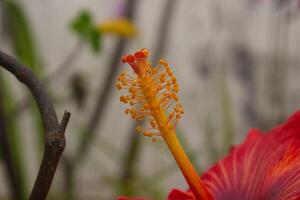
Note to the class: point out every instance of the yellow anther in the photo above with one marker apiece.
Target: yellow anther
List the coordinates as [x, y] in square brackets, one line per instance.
[147, 134]
[162, 77]
[124, 82]
[133, 96]
[139, 129]
[121, 77]
[153, 70]
[123, 99]
[174, 96]
[153, 123]
[160, 87]
[163, 62]
[131, 90]
[168, 87]
[173, 79]
[175, 89]
[134, 114]
[169, 72]
[127, 111]
[171, 115]
[118, 86]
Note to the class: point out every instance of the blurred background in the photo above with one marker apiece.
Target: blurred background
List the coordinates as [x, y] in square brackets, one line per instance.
[236, 61]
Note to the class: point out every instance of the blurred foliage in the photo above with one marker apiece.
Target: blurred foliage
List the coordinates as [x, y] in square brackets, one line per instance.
[14, 137]
[23, 42]
[22, 36]
[83, 25]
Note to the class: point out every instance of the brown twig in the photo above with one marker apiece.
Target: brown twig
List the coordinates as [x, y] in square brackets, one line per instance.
[55, 131]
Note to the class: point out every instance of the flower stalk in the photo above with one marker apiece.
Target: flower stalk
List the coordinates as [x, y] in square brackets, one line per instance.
[153, 97]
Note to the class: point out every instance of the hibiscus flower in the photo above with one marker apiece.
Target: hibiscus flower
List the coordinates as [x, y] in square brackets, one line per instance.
[266, 166]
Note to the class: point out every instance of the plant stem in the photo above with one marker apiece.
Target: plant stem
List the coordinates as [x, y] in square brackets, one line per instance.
[55, 131]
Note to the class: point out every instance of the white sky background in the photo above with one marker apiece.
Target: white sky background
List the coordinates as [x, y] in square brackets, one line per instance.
[193, 31]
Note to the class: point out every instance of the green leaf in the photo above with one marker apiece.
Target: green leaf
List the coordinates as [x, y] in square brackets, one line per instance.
[85, 28]
[22, 37]
[82, 24]
[95, 41]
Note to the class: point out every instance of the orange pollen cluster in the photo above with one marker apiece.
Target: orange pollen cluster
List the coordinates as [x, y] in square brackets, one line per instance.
[153, 94]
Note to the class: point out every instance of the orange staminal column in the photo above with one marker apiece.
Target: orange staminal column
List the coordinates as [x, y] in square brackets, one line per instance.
[153, 97]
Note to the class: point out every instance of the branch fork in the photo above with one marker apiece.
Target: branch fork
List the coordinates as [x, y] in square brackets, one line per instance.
[55, 131]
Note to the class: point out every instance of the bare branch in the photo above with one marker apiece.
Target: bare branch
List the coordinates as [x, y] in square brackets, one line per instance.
[55, 132]
[55, 144]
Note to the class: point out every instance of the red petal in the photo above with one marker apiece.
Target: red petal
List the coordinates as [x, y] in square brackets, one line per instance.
[283, 180]
[176, 194]
[249, 171]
